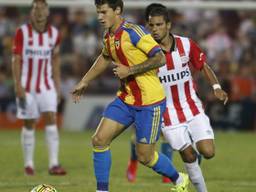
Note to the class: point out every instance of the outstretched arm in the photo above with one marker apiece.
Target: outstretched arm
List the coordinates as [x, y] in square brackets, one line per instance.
[211, 77]
[154, 62]
[97, 68]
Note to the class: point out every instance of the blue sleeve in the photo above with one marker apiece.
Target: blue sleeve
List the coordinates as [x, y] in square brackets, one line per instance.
[136, 32]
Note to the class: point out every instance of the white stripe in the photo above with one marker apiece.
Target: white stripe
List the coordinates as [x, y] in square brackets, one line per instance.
[178, 68]
[44, 48]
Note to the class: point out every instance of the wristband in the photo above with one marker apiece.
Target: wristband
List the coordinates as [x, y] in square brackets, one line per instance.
[216, 86]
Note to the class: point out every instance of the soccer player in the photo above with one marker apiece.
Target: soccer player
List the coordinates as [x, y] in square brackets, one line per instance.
[185, 123]
[36, 75]
[140, 99]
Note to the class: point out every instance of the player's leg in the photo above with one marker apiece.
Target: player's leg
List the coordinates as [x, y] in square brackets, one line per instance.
[133, 161]
[115, 119]
[47, 101]
[179, 138]
[206, 147]
[28, 145]
[148, 123]
[52, 141]
[28, 111]
[167, 151]
[202, 135]
[190, 158]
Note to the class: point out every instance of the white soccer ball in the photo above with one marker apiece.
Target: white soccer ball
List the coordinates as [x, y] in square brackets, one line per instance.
[43, 188]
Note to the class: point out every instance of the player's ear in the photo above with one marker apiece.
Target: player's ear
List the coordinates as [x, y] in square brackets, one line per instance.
[169, 25]
[118, 11]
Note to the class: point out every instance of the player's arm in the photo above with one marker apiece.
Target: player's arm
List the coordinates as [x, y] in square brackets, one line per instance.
[16, 65]
[158, 60]
[153, 62]
[56, 69]
[16, 70]
[198, 60]
[100, 65]
[211, 77]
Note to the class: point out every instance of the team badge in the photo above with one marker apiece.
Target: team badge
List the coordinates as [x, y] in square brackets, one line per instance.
[117, 44]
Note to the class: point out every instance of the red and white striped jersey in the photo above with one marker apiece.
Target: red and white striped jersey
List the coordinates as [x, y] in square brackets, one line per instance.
[36, 51]
[182, 101]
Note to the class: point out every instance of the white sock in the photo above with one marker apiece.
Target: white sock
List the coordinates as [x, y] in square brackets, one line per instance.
[52, 139]
[179, 180]
[196, 176]
[28, 145]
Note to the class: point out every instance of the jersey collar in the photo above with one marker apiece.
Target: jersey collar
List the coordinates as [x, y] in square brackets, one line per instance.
[173, 47]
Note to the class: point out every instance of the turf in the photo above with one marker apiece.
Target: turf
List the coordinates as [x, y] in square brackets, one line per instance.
[232, 170]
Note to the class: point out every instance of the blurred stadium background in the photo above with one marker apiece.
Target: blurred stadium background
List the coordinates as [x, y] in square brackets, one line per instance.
[226, 30]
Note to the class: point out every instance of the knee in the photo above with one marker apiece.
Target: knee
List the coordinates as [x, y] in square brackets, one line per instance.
[144, 158]
[49, 118]
[208, 153]
[189, 158]
[29, 124]
[98, 141]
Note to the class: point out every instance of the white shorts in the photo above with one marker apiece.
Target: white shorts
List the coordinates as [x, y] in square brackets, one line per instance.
[37, 103]
[185, 134]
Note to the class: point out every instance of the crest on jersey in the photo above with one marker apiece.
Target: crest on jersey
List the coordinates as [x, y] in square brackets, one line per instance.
[117, 44]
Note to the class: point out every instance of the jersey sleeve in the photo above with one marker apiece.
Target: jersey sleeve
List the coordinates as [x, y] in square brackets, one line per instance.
[18, 42]
[143, 40]
[196, 55]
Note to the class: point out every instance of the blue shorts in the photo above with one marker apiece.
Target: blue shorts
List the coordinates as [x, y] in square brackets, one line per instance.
[147, 119]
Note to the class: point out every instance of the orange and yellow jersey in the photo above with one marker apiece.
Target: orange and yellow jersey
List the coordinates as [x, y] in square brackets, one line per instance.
[131, 45]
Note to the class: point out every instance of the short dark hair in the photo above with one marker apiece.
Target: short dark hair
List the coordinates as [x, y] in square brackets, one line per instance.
[37, 1]
[157, 9]
[111, 3]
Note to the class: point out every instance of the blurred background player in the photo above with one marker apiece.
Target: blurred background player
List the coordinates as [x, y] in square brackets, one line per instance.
[140, 100]
[37, 83]
[185, 123]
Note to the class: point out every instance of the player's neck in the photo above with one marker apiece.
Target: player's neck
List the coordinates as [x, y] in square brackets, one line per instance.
[166, 43]
[116, 25]
[40, 28]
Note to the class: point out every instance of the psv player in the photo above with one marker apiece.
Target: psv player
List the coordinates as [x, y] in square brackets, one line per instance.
[37, 83]
[185, 123]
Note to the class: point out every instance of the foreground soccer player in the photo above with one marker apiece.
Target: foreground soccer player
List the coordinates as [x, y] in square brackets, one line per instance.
[37, 83]
[140, 100]
[185, 123]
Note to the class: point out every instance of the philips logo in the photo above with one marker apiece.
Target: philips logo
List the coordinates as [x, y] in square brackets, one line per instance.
[174, 77]
[42, 53]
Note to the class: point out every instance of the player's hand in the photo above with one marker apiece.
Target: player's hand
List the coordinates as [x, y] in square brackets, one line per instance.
[21, 96]
[78, 91]
[121, 71]
[20, 92]
[221, 95]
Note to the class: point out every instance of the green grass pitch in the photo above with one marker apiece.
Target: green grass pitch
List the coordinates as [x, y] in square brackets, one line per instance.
[232, 170]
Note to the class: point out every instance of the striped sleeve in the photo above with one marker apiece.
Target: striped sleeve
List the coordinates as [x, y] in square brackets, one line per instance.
[196, 55]
[142, 39]
[18, 42]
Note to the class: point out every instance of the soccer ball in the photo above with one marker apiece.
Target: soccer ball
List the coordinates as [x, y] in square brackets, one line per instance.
[43, 188]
